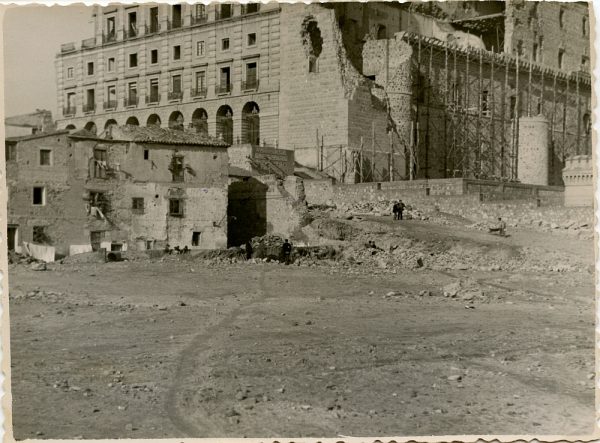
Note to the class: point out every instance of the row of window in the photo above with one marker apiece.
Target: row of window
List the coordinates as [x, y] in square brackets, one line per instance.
[137, 205]
[175, 19]
[537, 55]
[199, 89]
[175, 55]
[584, 22]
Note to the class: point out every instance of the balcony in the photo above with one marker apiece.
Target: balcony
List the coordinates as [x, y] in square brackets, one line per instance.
[69, 111]
[250, 8]
[152, 99]
[109, 38]
[198, 19]
[152, 28]
[222, 15]
[89, 107]
[175, 95]
[223, 89]
[131, 101]
[198, 92]
[250, 85]
[110, 104]
[67, 47]
[174, 24]
[88, 43]
[131, 32]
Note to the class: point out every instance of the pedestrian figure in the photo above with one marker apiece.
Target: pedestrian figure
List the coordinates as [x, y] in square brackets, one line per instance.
[248, 250]
[185, 250]
[500, 227]
[286, 250]
[395, 210]
[168, 249]
[401, 207]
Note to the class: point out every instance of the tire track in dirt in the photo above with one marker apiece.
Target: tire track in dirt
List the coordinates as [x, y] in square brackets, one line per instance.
[186, 364]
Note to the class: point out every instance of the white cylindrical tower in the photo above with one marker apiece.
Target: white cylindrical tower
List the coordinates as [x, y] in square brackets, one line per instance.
[533, 150]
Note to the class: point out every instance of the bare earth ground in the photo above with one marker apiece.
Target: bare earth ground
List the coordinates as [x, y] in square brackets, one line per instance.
[193, 348]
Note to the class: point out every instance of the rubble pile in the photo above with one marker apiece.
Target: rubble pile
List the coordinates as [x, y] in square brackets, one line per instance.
[16, 258]
[267, 246]
[378, 208]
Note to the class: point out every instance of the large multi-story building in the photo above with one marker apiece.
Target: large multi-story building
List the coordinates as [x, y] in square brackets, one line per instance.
[292, 75]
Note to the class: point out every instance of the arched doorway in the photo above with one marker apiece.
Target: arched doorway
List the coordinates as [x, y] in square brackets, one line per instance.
[176, 121]
[251, 124]
[91, 127]
[70, 127]
[225, 124]
[200, 121]
[132, 121]
[109, 123]
[153, 120]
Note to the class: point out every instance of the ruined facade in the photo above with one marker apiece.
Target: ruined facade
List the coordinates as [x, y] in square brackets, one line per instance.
[141, 188]
[296, 76]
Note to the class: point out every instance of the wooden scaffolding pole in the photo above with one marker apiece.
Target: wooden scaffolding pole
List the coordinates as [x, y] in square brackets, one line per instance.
[492, 117]
[465, 135]
[373, 151]
[479, 115]
[529, 88]
[515, 149]
[578, 150]
[445, 109]
[362, 160]
[391, 160]
[564, 122]
[427, 135]
[503, 121]
[455, 99]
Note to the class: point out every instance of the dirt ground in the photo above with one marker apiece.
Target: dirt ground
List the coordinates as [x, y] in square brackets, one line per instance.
[184, 347]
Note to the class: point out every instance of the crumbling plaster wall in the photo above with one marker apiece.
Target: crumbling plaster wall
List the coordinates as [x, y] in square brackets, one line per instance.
[61, 215]
[203, 192]
[262, 159]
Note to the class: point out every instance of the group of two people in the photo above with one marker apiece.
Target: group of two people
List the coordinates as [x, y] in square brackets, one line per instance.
[286, 251]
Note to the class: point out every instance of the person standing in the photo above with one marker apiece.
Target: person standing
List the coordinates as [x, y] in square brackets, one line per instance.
[248, 250]
[401, 207]
[286, 250]
[395, 210]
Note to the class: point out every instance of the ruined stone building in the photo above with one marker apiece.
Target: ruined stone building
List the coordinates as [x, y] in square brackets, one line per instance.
[137, 188]
[359, 91]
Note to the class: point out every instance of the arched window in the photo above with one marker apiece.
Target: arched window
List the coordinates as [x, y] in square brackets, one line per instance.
[381, 32]
[200, 121]
[132, 121]
[587, 123]
[109, 123]
[91, 127]
[70, 127]
[251, 124]
[225, 124]
[176, 121]
[153, 120]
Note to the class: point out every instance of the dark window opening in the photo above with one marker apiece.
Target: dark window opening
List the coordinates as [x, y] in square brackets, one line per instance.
[40, 235]
[176, 52]
[561, 18]
[250, 8]
[146, 154]
[154, 56]
[132, 28]
[176, 207]
[10, 151]
[39, 195]
[587, 123]
[133, 60]
[137, 205]
[252, 39]
[225, 11]
[45, 157]
[100, 164]
[90, 68]
[485, 106]
[561, 58]
[312, 64]
[177, 169]
[176, 16]
[225, 44]
[154, 20]
[196, 238]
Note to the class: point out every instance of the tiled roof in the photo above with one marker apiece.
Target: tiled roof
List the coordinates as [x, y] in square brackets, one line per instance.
[19, 138]
[155, 134]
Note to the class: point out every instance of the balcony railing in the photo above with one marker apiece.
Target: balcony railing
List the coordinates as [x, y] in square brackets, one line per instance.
[152, 28]
[130, 32]
[107, 38]
[250, 8]
[222, 15]
[250, 85]
[69, 110]
[88, 42]
[223, 89]
[89, 107]
[152, 99]
[131, 101]
[67, 47]
[110, 104]
[198, 92]
[174, 24]
[175, 95]
[198, 19]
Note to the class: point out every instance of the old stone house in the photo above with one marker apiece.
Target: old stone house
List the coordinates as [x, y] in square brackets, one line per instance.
[138, 188]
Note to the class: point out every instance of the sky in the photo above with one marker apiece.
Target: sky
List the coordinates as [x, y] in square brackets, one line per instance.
[32, 38]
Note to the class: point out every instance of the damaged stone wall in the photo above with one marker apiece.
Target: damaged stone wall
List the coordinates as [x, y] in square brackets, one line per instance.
[202, 195]
[262, 159]
[61, 216]
[266, 205]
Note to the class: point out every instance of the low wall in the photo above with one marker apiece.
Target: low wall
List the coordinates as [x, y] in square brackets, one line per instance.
[326, 192]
